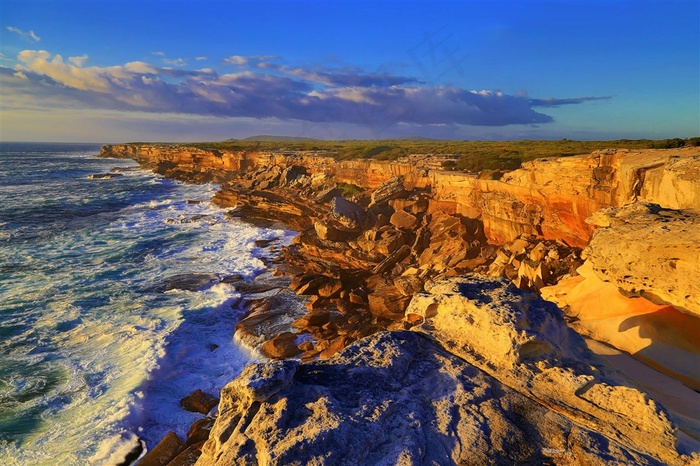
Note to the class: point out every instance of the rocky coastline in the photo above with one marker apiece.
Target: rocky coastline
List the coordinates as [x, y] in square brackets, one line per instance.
[404, 324]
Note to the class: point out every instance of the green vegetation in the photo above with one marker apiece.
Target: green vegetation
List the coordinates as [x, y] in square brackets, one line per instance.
[348, 190]
[474, 156]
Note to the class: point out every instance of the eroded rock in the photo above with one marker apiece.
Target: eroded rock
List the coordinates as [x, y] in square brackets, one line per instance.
[394, 398]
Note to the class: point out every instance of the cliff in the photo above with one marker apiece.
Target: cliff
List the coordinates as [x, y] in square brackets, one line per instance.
[548, 197]
[384, 255]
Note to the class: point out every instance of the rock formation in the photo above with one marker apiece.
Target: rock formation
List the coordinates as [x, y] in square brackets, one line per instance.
[638, 289]
[493, 377]
[550, 197]
[515, 384]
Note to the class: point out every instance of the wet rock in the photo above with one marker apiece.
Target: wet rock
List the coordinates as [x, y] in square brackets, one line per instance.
[163, 453]
[199, 402]
[199, 430]
[189, 282]
[105, 176]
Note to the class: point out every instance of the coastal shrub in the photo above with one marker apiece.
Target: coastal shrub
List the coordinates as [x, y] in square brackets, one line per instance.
[669, 143]
[348, 190]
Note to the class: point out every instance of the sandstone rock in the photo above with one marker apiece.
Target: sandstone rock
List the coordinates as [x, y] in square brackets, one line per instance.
[390, 241]
[657, 334]
[291, 174]
[391, 189]
[651, 252]
[394, 398]
[188, 457]
[407, 285]
[199, 402]
[521, 340]
[332, 232]
[387, 302]
[331, 288]
[347, 213]
[199, 430]
[334, 346]
[281, 346]
[393, 258]
[404, 220]
[269, 316]
[327, 194]
[163, 453]
[312, 319]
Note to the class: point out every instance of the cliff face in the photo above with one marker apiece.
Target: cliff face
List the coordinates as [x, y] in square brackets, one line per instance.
[549, 197]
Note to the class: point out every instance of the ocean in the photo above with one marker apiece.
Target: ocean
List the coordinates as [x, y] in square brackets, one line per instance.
[95, 349]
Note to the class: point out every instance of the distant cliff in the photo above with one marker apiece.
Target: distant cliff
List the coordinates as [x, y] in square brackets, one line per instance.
[550, 197]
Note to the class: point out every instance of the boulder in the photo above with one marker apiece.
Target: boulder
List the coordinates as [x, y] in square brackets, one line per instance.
[327, 231]
[404, 220]
[163, 453]
[199, 430]
[281, 346]
[347, 213]
[387, 302]
[389, 190]
[199, 402]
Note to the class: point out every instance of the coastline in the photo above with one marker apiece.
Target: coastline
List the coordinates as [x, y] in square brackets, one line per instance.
[318, 243]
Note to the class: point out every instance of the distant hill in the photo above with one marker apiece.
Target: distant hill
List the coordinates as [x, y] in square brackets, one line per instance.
[271, 138]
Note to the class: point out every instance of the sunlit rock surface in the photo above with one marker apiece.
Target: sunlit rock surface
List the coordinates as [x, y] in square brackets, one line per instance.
[493, 376]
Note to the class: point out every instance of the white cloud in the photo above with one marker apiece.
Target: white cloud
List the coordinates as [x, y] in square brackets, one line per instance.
[236, 60]
[158, 54]
[318, 97]
[140, 67]
[26, 35]
[175, 61]
[78, 61]
[200, 58]
[4, 57]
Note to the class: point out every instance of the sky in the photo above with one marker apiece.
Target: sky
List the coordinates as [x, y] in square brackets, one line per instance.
[118, 71]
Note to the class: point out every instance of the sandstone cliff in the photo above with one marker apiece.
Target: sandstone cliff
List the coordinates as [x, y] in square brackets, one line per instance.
[551, 197]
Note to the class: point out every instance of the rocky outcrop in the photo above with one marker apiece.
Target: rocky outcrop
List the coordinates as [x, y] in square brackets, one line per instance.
[638, 290]
[493, 377]
[660, 259]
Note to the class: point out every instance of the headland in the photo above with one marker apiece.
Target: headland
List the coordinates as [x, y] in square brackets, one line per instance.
[407, 324]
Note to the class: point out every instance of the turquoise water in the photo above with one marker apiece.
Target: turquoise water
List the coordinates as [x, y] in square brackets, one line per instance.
[94, 353]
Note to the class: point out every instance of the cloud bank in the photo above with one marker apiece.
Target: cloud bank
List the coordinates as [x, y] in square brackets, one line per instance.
[261, 88]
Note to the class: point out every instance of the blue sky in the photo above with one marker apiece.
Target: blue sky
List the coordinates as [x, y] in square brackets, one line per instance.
[109, 71]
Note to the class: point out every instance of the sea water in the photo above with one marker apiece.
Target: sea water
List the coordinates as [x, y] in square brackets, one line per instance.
[95, 350]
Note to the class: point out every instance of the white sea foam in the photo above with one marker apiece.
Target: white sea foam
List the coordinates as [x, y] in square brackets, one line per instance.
[102, 354]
